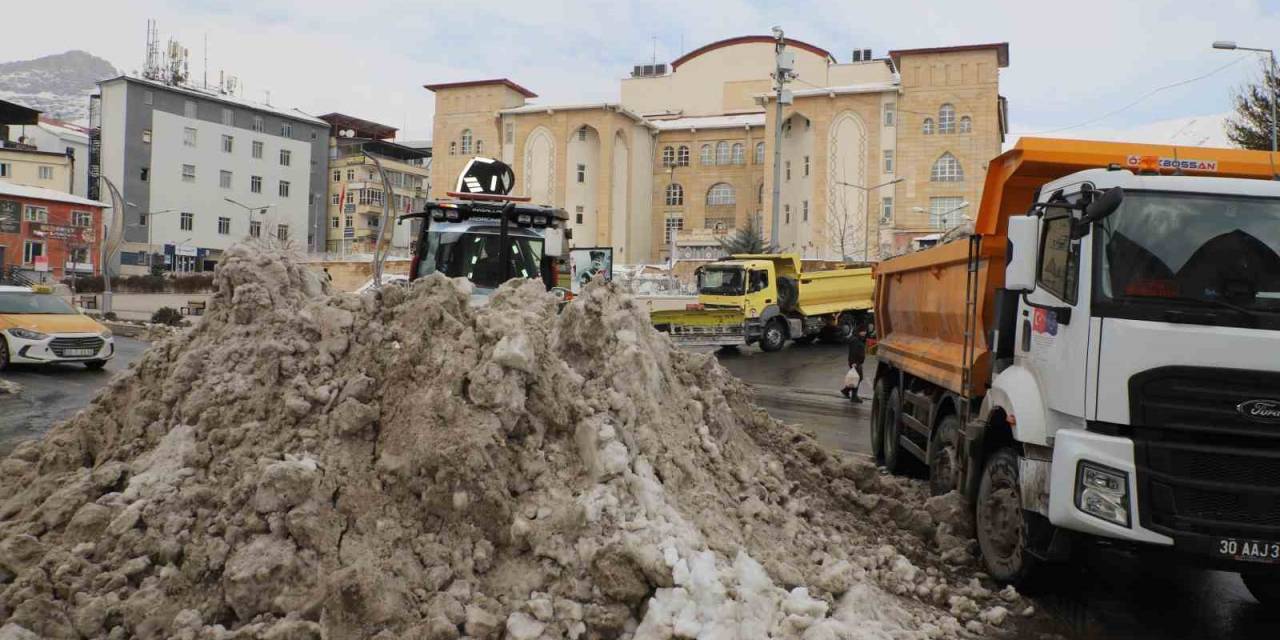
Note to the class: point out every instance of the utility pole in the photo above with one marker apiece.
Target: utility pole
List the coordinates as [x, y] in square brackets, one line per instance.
[783, 72]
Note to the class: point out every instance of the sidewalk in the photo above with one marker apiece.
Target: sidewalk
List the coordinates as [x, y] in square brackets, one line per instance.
[140, 306]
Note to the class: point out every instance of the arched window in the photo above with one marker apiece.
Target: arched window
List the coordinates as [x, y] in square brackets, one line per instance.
[668, 156]
[705, 155]
[722, 152]
[682, 156]
[946, 169]
[946, 119]
[453, 147]
[759, 153]
[927, 127]
[760, 193]
[966, 125]
[479, 147]
[720, 194]
[738, 151]
[675, 195]
[466, 141]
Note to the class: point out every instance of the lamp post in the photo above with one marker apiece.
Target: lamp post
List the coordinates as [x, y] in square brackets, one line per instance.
[262, 209]
[146, 217]
[866, 228]
[1230, 45]
[944, 214]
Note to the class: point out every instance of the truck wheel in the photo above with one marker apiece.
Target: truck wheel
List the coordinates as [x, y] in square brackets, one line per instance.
[895, 459]
[1001, 524]
[845, 327]
[943, 465]
[774, 336]
[1264, 588]
[878, 404]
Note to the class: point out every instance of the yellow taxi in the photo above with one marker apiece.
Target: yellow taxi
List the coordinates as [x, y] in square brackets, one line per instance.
[38, 327]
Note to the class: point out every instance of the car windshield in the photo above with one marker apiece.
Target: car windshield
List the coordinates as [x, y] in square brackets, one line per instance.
[23, 302]
[476, 256]
[721, 281]
[1211, 252]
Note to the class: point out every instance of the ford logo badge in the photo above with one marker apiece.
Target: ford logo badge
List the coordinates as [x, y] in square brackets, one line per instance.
[1260, 410]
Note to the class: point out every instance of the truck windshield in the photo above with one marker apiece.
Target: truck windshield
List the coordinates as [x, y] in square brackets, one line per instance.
[1198, 258]
[721, 281]
[476, 256]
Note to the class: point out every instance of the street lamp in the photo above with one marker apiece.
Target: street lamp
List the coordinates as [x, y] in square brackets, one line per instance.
[866, 229]
[146, 217]
[250, 210]
[944, 214]
[1230, 45]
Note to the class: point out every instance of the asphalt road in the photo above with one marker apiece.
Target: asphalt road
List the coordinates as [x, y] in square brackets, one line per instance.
[1107, 594]
[51, 394]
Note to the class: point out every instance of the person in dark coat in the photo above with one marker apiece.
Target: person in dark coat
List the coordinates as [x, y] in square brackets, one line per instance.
[857, 355]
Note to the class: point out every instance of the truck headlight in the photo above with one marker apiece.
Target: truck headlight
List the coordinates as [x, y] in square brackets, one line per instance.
[1103, 492]
[27, 334]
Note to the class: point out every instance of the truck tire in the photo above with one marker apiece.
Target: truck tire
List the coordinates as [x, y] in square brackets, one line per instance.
[878, 404]
[895, 459]
[788, 293]
[1265, 588]
[943, 464]
[845, 326]
[774, 335]
[1001, 524]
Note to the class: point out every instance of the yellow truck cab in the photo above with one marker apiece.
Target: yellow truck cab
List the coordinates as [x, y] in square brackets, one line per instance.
[768, 298]
[37, 327]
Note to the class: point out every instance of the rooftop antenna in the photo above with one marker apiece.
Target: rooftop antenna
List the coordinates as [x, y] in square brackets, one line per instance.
[655, 49]
[151, 69]
[268, 97]
[206, 61]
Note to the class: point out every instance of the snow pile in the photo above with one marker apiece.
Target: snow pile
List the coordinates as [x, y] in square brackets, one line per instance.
[401, 465]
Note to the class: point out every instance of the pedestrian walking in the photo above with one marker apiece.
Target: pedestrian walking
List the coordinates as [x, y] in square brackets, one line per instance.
[857, 355]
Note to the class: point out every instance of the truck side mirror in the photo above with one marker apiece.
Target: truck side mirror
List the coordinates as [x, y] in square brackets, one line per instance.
[1020, 267]
[1103, 205]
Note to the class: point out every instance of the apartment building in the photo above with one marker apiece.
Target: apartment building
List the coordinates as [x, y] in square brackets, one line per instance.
[52, 137]
[201, 170]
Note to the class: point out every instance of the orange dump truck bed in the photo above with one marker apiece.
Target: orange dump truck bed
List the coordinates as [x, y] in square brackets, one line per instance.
[920, 297]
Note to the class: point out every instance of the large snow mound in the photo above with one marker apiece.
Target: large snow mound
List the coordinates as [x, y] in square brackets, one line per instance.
[400, 464]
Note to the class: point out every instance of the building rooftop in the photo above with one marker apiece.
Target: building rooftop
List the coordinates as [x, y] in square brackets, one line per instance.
[363, 128]
[382, 148]
[222, 97]
[40, 193]
[545, 108]
[14, 113]
[729, 42]
[866, 87]
[1001, 48]
[479, 83]
[711, 122]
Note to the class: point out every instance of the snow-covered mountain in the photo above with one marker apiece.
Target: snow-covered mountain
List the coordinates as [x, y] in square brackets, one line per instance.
[59, 85]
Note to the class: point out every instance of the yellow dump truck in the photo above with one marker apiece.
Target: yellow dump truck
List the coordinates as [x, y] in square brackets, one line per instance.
[767, 298]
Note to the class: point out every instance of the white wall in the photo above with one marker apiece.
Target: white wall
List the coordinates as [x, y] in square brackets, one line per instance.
[539, 177]
[640, 216]
[798, 234]
[113, 131]
[205, 198]
[619, 183]
[583, 194]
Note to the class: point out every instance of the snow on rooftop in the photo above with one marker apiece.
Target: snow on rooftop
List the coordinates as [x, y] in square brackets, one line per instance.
[40, 193]
[296, 114]
[711, 122]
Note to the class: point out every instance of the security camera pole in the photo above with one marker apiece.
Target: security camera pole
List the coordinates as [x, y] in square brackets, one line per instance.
[784, 71]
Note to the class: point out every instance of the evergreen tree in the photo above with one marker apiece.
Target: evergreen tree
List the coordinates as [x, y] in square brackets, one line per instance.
[749, 239]
[1250, 126]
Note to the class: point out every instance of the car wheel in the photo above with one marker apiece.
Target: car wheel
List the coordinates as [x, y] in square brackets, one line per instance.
[878, 405]
[942, 456]
[1001, 523]
[4, 353]
[774, 336]
[95, 364]
[1264, 588]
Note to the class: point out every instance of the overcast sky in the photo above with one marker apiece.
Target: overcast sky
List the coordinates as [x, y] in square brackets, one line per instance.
[1071, 63]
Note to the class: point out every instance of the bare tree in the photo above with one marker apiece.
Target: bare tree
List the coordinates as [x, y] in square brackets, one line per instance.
[847, 226]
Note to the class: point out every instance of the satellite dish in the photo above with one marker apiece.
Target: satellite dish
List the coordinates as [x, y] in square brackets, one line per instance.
[486, 175]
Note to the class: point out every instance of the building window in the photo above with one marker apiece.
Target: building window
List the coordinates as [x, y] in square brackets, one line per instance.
[286, 157]
[255, 184]
[351, 175]
[189, 109]
[334, 222]
[286, 129]
[282, 232]
[228, 142]
[675, 195]
[31, 249]
[890, 113]
[5, 170]
[722, 152]
[682, 156]
[888, 160]
[224, 179]
[78, 255]
[36, 214]
[224, 226]
[668, 156]
[46, 172]
[284, 189]
[806, 166]
[582, 134]
[148, 97]
[739, 153]
[787, 170]
[337, 175]
[946, 119]
[577, 214]
[186, 221]
[466, 142]
[257, 149]
[759, 153]
[479, 147]
[348, 221]
[582, 173]
[704, 155]
[335, 198]
[509, 132]
[144, 174]
[142, 219]
[927, 127]
[81, 218]
[886, 209]
[255, 229]
[188, 136]
[946, 169]
[720, 195]
[146, 136]
[188, 173]
[258, 124]
[760, 193]
[966, 124]
[944, 213]
[786, 213]
[674, 225]
[228, 117]
[453, 147]
[804, 208]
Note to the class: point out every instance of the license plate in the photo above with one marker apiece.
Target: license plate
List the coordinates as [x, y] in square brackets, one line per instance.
[1248, 550]
[71, 353]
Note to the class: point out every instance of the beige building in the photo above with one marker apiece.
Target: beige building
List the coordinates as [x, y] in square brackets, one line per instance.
[689, 148]
[356, 190]
[22, 164]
